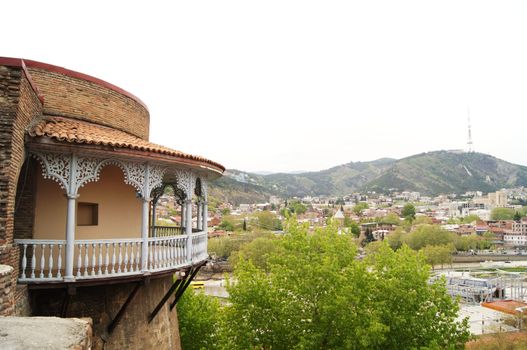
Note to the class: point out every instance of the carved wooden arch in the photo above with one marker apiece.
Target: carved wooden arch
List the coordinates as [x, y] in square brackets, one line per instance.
[179, 194]
[59, 167]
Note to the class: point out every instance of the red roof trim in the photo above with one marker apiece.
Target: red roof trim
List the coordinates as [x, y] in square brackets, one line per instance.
[20, 62]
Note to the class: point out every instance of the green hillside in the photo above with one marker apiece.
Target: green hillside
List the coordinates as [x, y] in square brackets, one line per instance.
[429, 173]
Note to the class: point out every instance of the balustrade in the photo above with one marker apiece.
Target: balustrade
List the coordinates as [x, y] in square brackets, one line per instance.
[165, 231]
[44, 260]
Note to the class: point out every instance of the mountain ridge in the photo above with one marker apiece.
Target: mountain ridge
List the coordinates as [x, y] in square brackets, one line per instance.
[430, 173]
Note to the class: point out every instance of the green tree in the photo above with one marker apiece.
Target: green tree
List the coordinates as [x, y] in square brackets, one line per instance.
[359, 207]
[438, 254]
[226, 225]
[395, 238]
[225, 211]
[419, 220]
[257, 252]
[424, 235]
[297, 208]
[408, 211]
[199, 321]
[502, 214]
[470, 218]
[517, 216]
[316, 295]
[392, 218]
[355, 229]
[268, 221]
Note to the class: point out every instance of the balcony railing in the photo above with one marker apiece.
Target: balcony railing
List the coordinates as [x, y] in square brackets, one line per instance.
[44, 260]
[164, 231]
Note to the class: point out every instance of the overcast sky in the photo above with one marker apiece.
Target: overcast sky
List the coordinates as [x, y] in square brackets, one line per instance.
[298, 85]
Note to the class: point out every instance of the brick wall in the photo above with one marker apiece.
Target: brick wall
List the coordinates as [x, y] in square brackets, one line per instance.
[101, 304]
[26, 200]
[72, 97]
[19, 104]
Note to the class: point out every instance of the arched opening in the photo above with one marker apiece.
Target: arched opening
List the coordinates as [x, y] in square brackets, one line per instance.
[167, 211]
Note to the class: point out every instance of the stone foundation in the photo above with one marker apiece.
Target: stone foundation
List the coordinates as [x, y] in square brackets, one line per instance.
[101, 303]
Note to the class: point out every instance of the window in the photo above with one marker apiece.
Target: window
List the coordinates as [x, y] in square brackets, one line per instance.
[87, 214]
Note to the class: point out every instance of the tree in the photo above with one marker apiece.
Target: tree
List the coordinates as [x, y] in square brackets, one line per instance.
[395, 238]
[502, 214]
[408, 211]
[438, 254]
[268, 221]
[424, 235]
[470, 218]
[226, 225]
[355, 229]
[419, 220]
[316, 295]
[297, 208]
[517, 216]
[359, 207]
[199, 320]
[392, 218]
[257, 252]
[244, 224]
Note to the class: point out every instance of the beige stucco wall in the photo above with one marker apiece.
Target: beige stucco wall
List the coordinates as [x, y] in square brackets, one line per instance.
[119, 209]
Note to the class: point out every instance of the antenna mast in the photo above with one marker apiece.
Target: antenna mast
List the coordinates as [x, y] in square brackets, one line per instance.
[469, 143]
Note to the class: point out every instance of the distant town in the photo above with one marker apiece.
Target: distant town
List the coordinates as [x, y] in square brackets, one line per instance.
[501, 213]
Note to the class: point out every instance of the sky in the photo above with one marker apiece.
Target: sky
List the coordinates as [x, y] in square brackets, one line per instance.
[298, 85]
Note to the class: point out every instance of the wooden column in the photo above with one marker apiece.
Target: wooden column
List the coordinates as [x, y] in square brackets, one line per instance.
[198, 215]
[144, 234]
[70, 219]
[205, 224]
[188, 228]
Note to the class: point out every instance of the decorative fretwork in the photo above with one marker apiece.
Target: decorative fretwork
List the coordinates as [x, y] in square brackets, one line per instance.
[135, 176]
[155, 178]
[179, 194]
[186, 181]
[55, 167]
[86, 171]
[60, 168]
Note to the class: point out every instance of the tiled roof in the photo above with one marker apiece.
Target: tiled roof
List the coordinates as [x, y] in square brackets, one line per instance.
[77, 131]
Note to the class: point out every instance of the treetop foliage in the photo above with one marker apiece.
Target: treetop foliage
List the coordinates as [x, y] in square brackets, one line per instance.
[315, 294]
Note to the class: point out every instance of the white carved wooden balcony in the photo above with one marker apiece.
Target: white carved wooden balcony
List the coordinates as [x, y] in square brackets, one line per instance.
[44, 260]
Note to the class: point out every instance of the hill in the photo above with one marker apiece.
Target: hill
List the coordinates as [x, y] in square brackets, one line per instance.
[450, 172]
[430, 173]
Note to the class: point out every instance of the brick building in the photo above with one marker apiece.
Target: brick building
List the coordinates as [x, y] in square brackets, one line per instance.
[79, 183]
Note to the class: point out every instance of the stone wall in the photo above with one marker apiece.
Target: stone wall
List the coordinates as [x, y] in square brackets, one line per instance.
[7, 287]
[79, 98]
[45, 333]
[19, 105]
[101, 303]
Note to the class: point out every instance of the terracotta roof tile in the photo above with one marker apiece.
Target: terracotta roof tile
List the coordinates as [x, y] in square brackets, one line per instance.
[77, 131]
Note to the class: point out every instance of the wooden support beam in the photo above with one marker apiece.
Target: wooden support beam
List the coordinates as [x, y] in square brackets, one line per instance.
[164, 300]
[185, 285]
[121, 311]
